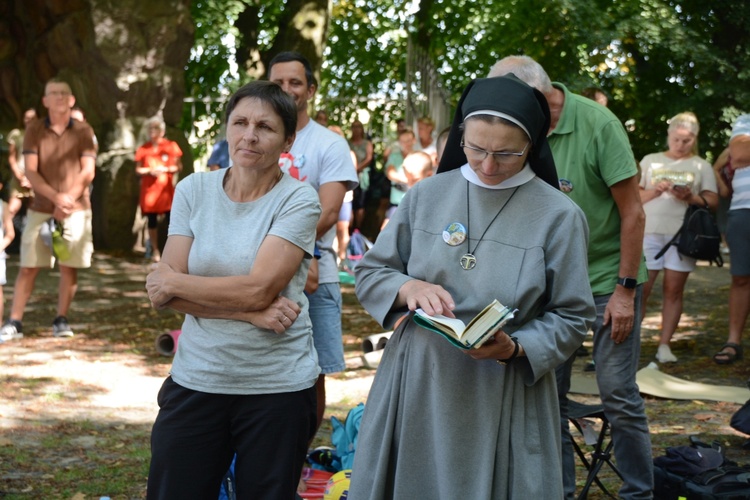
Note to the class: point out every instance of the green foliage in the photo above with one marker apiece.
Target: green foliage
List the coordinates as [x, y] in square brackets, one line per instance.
[211, 74]
[684, 57]
[206, 75]
[654, 58]
[365, 63]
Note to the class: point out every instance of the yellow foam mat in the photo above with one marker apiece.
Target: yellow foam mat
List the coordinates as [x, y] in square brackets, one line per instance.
[653, 382]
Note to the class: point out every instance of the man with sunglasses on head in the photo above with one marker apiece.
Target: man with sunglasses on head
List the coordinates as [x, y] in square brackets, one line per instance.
[60, 155]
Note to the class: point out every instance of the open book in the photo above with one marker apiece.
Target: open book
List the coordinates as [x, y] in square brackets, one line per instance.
[482, 327]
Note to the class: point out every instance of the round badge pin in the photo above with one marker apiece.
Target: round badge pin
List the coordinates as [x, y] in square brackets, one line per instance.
[454, 234]
[566, 186]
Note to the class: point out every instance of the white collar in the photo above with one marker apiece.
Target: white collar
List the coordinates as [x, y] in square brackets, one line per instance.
[522, 177]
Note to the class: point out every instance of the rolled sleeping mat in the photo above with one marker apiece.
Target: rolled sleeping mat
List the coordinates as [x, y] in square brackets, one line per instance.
[375, 342]
[166, 343]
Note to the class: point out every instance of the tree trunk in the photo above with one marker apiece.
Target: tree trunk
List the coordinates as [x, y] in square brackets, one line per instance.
[124, 61]
[303, 27]
[248, 55]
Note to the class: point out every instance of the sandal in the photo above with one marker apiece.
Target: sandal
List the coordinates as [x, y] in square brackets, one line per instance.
[724, 357]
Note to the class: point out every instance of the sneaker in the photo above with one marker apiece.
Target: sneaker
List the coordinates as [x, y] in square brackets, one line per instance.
[11, 330]
[60, 327]
[664, 354]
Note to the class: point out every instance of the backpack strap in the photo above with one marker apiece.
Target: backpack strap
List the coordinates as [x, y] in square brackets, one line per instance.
[719, 261]
[674, 239]
[666, 247]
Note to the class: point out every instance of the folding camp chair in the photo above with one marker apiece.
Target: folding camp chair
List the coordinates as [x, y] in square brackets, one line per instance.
[580, 416]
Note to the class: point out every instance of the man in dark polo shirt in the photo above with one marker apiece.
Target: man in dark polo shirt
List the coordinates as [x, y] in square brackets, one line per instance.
[60, 158]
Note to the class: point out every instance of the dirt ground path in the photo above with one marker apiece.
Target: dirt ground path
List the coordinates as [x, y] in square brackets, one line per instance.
[110, 370]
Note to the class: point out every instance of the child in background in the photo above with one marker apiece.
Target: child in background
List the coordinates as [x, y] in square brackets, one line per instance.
[416, 166]
[395, 172]
[7, 233]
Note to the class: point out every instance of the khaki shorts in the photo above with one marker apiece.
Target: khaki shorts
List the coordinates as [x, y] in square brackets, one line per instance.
[76, 231]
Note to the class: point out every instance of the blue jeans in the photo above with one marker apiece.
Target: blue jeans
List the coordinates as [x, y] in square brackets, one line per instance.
[325, 315]
[616, 366]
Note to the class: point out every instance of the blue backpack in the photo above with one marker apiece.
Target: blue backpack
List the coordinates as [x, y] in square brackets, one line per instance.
[356, 249]
[344, 437]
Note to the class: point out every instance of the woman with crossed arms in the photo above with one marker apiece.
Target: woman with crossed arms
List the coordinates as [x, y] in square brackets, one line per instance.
[236, 260]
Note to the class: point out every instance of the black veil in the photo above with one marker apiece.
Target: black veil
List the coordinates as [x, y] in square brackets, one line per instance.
[505, 94]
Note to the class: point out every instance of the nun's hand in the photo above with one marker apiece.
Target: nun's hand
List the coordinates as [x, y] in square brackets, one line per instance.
[433, 299]
[500, 346]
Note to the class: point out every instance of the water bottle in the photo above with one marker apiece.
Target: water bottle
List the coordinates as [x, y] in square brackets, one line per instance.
[59, 245]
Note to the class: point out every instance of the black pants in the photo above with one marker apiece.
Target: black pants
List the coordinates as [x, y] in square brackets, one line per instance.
[153, 219]
[196, 435]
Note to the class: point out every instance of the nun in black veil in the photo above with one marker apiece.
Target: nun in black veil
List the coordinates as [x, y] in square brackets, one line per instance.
[442, 422]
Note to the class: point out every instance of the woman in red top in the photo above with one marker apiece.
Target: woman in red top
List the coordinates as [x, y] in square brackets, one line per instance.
[156, 163]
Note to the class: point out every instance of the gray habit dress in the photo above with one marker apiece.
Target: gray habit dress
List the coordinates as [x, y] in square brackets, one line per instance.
[437, 423]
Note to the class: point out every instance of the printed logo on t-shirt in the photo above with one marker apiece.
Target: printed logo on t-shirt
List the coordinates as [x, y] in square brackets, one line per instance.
[289, 164]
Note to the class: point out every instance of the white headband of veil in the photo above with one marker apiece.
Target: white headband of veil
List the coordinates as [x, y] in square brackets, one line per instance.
[498, 114]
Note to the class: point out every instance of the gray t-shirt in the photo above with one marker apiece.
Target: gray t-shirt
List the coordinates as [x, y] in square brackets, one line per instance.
[233, 357]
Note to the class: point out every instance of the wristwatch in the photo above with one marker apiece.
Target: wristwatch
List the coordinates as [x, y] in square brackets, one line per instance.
[628, 283]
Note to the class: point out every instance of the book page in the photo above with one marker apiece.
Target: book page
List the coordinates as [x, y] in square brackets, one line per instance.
[454, 326]
[488, 322]
[488, 315]
[480, 328]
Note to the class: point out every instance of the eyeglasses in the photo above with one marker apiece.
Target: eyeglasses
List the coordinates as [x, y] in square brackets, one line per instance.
[477, 154]
[58, 93]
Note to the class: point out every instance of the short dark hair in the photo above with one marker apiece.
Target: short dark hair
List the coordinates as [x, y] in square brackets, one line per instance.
[291, 56]
[57, 79]
[271, 94]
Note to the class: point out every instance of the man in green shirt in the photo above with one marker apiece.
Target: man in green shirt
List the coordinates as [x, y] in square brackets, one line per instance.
[596, 168]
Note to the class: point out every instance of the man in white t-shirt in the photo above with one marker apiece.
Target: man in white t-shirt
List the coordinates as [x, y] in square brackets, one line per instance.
[321, 158]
